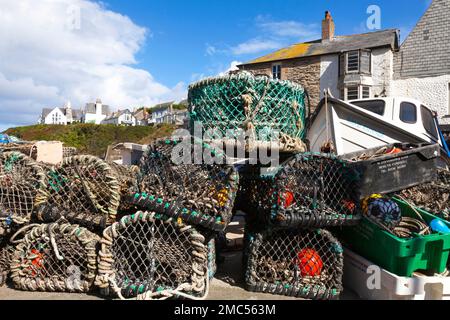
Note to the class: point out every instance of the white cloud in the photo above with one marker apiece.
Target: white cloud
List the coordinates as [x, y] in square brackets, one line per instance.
[255, 46]
[49, 57]
[288, 28]
[233, 67]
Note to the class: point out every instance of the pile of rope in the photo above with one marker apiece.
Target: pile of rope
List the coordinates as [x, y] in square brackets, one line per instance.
[201, 194]
[82, 189]
[432, 197]
[271, 110]
[57, 257]
[151, 256]
[22, 185]
[308, 191]
[298, 263]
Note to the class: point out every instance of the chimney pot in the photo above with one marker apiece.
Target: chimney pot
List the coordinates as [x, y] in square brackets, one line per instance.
[328, 27]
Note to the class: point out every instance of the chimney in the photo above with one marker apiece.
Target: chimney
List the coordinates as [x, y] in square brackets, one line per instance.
[328, 27]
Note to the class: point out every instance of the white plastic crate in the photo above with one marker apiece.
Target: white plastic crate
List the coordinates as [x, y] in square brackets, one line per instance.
[391, 287]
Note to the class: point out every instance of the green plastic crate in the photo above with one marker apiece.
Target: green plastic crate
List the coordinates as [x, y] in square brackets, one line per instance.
[400, 256]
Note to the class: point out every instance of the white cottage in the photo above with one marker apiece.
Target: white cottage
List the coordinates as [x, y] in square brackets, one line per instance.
[62, 116]
[96, 112]
[121, 117]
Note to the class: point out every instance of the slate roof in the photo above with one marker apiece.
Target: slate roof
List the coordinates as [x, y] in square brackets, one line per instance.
[90, 108]
[76, 113]
[384, 38]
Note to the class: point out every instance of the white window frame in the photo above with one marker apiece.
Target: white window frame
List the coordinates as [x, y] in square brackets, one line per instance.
[360, 91]
[275, 72]
[358, 61]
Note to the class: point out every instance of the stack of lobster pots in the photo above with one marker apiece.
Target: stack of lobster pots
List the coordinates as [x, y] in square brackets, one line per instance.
[288, 205]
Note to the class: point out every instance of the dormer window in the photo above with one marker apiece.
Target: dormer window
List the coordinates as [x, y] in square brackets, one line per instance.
[356, 61]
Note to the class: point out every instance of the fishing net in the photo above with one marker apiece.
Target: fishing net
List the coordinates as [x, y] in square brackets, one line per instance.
[201, 194]
[22, 184]
[268, 110]
[57, 257]
[432, 197]
[84, 190]
[150, 256]
[303, 264]
[309, 190]
[6, 252]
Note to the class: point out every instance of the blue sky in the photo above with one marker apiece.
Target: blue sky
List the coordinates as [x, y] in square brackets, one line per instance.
[135, 53]
[182, 31]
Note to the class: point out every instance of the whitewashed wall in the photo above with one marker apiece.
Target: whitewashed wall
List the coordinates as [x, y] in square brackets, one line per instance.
[382, 71]
[56, 111]
[329, 74]
[432, 91]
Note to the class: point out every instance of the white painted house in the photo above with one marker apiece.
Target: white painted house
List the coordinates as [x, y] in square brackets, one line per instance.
[62, 116]
[121, 118]
[161, 111]
[96, 112]
[422, 66]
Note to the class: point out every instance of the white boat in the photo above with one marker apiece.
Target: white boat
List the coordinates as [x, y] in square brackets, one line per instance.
[344, 127]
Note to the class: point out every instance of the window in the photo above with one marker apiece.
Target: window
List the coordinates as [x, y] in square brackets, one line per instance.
[408, 112]
[276, 71]
[375, 106]
[428, 121]
[365, 92]
[352, 61]
[352, 93]
[357, 61]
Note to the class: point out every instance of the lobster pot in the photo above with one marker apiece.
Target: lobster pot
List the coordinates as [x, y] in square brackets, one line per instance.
[128, 184]
[150, 256]
[57, 257]
[267, 111]
[303, 264]
[6, 251]
[22, 184]
[307, 191]
[171, 184]
[82, 189]
[433, 196]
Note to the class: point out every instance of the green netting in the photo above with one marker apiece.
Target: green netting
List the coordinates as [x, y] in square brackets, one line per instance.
[272, 110]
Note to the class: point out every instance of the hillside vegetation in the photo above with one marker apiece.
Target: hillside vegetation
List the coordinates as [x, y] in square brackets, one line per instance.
[90, 138]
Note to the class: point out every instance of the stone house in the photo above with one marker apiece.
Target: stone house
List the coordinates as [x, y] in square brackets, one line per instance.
[351, 67]
[121, 118]
[422, 66]
[62, 116]
[141, 116]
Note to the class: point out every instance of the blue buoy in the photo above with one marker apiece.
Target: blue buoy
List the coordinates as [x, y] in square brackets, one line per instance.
[438, 225]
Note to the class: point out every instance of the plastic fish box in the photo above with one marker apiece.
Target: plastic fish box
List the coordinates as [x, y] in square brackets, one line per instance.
[388, 173]
[400, 256]
[371, 282]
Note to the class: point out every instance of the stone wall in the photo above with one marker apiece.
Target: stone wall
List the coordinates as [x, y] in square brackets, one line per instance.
[305, 71]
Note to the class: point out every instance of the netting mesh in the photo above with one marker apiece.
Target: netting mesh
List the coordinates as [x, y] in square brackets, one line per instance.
[306, 264]
[432, 197]
[212, 263]
[57, 257]
[22, 184]
[150, 256]
[69, 152]
[6, 251]
[199, 193]
[309, 190]
[84, 190]
[272, 110]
